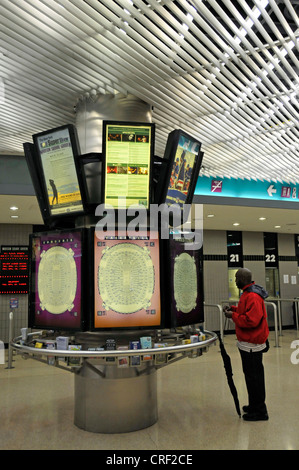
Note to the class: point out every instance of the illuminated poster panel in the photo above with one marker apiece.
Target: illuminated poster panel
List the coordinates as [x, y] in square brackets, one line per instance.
[128, 155]
[126, 281]
[183, 153]
[63, 187]
[186, 282]
[55, 284]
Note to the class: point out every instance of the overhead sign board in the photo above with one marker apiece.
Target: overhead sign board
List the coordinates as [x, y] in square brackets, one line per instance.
[230, 187]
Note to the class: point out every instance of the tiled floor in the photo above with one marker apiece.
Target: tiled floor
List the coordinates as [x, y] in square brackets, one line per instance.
[196, 409]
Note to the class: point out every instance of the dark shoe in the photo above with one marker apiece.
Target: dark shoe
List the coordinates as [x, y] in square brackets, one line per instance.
[246, 409]
[256, 417]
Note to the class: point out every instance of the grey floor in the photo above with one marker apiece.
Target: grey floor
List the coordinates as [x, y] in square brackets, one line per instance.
[196, 410]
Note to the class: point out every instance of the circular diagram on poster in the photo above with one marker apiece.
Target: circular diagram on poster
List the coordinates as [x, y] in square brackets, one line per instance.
[57, 280]
[126, 278]
[185, 282]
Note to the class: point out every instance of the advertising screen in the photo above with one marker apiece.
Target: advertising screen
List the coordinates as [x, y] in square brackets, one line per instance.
[128, 155]
[126, 281]
[14, 270]
[184, 156]
[186, 282]
[56, 280]
[62, 183]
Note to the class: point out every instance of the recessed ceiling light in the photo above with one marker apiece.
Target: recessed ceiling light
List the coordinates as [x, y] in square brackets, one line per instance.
[14, 208]
[210, 215]
[236, 223]
[277, 226]
[262, 218]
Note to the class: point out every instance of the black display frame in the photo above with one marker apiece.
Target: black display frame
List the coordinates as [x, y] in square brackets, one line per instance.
[83, 284]
[170, 154]
[48, 215]
[136, 124]
[181, 237]
[82, 162]
[31, 159]
[160, 169]
[91, 289]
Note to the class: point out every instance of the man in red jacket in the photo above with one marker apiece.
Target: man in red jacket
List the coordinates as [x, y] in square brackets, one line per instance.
[252, 332]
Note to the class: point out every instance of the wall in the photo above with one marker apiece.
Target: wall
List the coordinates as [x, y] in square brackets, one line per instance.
[13, 235]
[216, 272]
[287, 268]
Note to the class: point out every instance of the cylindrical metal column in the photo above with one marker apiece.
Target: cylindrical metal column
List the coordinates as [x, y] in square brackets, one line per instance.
[92, 110]
[109, 399]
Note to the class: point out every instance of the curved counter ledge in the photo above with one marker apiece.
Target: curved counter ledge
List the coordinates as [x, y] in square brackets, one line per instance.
[178, 348]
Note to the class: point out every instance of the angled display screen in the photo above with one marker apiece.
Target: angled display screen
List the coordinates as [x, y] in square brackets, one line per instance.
[128, 155]
[184, 156]
[56, 280]
[62, 183]
[186, 282]
[31, 160]
[14, 270]
[126, 281]
[90, 165]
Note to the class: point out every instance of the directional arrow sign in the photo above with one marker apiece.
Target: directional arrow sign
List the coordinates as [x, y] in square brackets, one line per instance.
[271, 190]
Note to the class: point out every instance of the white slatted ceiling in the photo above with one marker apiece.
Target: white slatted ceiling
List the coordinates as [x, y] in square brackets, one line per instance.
[224, 71]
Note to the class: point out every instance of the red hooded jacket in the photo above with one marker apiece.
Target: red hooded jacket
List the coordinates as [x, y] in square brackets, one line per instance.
[250, 316]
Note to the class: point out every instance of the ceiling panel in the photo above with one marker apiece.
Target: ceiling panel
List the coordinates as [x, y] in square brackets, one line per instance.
[224, 71]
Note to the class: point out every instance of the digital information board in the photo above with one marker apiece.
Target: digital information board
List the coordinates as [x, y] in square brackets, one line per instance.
[55, 290]
[128, 150]
[14, 270]
[56, 150]
[127, 281]
[184, 164]
[186, 283]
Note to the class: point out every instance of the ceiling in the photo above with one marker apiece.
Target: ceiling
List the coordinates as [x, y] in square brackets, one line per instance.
[225, 71]
[224, 217]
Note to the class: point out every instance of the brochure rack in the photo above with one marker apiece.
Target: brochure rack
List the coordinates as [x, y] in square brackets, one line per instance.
[115, 391]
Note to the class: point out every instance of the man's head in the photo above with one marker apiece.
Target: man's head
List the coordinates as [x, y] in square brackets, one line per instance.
[243, 277]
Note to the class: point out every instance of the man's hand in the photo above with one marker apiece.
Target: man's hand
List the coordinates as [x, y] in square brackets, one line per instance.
[227, 312]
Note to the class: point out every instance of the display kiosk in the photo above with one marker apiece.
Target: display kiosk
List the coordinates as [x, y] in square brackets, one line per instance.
[110, 304]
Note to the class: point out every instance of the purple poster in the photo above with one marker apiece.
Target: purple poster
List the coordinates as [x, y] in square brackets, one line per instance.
[56, 279]
[186, 277]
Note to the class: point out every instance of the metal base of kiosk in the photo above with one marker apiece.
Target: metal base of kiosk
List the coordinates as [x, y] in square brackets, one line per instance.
[109, 399]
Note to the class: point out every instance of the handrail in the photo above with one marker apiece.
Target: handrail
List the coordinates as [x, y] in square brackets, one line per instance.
[275, 317]
[275, 323]
[116, 352]
[10, 335]
[279, 300]
[220, 316]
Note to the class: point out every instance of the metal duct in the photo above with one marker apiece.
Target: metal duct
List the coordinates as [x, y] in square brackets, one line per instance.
[92, 110]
